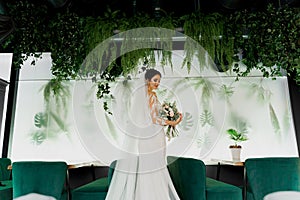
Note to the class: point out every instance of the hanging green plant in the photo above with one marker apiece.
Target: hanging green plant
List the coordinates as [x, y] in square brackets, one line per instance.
[30, 35]
[209, 31]
[66, 46]
[272, 41]
[97, 30]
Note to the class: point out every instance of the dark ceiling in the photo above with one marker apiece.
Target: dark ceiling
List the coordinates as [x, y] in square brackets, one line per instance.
[177, 7]
[154, 8]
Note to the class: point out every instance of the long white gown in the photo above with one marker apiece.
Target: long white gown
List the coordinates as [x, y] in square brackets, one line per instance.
[145, 176]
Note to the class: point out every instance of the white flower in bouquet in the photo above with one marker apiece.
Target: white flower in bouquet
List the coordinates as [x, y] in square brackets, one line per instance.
[171, 113]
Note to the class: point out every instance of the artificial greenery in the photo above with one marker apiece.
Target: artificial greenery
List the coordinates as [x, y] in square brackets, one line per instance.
[209, 30]
[272, 42]
[38, 30]
[268, 39]
[66, 45]
[263, 96]
[51, 121]
[25, 40]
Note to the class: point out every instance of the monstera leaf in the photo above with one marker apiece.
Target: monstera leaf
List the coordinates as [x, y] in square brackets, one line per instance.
[204, 141]
[41, 119]
[187, 121]
[38, 137]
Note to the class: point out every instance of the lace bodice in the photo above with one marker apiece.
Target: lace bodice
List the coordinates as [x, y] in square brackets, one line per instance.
[155, 107]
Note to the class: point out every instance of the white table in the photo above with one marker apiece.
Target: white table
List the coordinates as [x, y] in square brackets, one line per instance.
[34, 196]
[283, 195]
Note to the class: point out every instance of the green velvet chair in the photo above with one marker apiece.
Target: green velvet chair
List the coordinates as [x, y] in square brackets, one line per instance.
[5, 179]
[267, 175]
[47, 178]
[189, 178]
[95, 190]
[5, 173]
[218, 190]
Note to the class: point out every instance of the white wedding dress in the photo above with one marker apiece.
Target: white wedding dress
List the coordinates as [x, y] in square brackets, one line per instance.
[143, 173]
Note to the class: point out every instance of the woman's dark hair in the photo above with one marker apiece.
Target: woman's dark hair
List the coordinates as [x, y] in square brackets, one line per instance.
[150, 73]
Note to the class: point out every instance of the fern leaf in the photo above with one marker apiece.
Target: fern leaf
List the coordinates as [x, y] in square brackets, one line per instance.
[226, 92]
[111, 126]
[274, 119]
[206, 117]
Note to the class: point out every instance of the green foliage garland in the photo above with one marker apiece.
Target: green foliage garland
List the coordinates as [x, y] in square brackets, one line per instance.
[269, 40]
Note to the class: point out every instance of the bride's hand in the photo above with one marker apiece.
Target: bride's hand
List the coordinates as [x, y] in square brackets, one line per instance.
[178, 120]
[174, 123]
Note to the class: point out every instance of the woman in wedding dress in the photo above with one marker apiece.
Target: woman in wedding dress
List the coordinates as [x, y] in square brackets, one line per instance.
[143, 175]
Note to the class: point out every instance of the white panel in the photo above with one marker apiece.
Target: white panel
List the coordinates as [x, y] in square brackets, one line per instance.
[41, 70]
[5, 65]
[263, 105]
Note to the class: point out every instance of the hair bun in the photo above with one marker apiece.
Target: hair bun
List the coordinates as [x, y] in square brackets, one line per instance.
[151, 72]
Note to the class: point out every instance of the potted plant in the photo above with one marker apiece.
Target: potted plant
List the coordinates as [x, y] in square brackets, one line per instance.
[236, 136]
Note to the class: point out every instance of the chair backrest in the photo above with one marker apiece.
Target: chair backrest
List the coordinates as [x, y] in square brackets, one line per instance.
[111, 170]
[47, 178]
[188, 176]
[4, 171]
[267, 175]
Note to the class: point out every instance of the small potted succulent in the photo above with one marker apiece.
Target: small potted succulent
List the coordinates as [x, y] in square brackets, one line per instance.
[237, 137]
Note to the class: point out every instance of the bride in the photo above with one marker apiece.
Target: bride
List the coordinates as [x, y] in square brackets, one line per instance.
[142, 172]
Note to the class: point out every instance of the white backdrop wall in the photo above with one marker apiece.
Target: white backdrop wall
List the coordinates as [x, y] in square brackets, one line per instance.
[75, 128]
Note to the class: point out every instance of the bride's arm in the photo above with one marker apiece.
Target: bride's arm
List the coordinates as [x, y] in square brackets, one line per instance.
[174, 123]
[154, 111]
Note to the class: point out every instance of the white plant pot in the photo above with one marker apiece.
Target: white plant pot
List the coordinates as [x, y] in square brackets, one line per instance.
[236, 154]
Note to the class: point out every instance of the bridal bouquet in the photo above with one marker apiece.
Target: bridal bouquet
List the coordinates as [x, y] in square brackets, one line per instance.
[170, 112]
